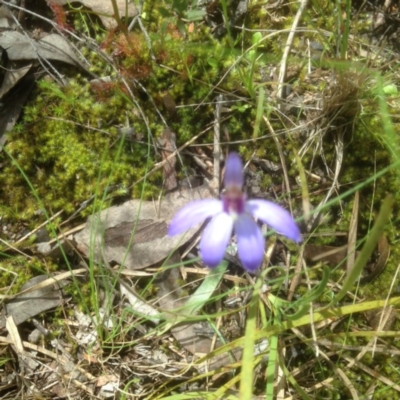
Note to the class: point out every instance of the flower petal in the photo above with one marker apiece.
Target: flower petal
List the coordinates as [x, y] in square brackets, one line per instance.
[276, 217]
[215, 239]
[233, 171]
[250, 242]
[193, 214]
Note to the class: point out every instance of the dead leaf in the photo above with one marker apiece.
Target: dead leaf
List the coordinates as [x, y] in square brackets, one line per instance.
[54, 249]
[104, 10]
[107, 234]
[91, 359]
[52, 47]
[27, 305]
[104, 379]
[3, 64]
[332, 255]
[6, 19]
[373, 269]
[12, 76]
[169, 104]
[12, 106]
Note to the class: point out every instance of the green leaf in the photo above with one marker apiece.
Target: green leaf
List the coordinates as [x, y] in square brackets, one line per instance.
[246, 380]
[198, 299]
[164, 12]
[195, 15]
[204, 292]
[212, 62]
[390, 89]
[256, 38]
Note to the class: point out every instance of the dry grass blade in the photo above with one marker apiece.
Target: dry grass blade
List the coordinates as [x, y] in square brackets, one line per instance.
[282, 70]
[14, 334]
[352, 239]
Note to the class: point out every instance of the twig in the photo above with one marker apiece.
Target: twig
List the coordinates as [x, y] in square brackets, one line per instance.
[49, 281]
[43, 61]
[39, 227]
[14, 248]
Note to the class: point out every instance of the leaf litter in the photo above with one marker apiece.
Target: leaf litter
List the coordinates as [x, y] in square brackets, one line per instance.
[130, 239]
[22, 53]
[105, 10]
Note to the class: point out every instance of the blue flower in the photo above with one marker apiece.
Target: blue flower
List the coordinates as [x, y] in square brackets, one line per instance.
[234, 213]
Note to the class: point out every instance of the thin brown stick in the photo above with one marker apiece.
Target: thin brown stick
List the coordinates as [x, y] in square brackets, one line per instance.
[288, 46]
[161, 164]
